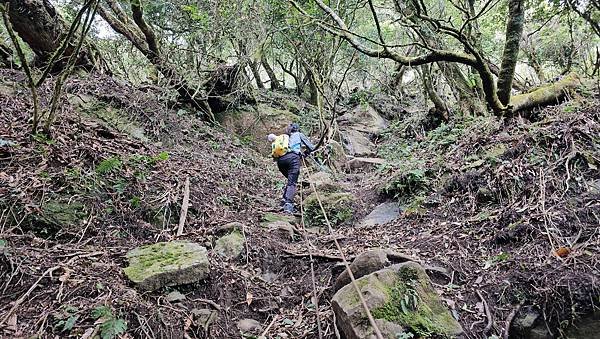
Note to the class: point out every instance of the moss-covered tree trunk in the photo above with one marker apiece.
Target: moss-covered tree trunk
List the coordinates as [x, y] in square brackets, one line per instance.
[546, 95]
[514, 31]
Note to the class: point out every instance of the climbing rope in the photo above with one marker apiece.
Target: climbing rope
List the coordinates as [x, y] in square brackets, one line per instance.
[339, 248]
[312, 268]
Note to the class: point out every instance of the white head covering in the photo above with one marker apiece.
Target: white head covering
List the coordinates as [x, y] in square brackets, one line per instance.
[271, 137]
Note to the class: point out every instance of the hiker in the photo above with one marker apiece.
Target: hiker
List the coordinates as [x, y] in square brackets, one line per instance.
[287, 150]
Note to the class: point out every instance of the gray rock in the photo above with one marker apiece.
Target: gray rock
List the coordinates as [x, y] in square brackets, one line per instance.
[230, 246]
[382, 214]
[525, 321]
[585, 328]
[175, 296]
[322, 181]
[401, 299]
[167, 264]
[360, 163]
[364, 119]
[357, 143]
[283, 226]
[249, 326]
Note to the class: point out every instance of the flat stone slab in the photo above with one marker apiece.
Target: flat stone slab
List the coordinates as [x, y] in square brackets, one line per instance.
[167, 264]
[356, 163]
[382, 214]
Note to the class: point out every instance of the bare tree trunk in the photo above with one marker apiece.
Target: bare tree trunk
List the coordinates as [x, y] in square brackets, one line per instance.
[256, 74]
[514, 31]
[274, 82]
[39, 24]
[440, 106]
[144, 39]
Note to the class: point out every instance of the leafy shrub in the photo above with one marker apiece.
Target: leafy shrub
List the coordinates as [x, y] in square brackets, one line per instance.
[406, 183]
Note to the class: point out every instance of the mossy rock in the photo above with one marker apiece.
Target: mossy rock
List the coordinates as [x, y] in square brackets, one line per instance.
[231, 245]
[62, 213]
[323, 182]
[55, 216]
[401, 299]
[269, 217]
[113, 117]
[167, 264]
[338, 206]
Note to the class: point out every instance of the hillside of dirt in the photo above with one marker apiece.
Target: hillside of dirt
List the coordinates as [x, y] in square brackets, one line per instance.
[504, 215]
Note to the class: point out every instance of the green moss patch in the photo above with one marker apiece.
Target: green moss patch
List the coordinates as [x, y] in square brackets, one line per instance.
[338, 206]
[165, 263]
[414, 304]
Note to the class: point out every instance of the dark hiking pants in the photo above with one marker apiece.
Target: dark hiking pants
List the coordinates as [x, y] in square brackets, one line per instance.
[289, 166]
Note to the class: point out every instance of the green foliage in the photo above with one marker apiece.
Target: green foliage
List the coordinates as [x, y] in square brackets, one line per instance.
[406, 183]
[67, 318]
[111, 326]
[43, 139]
[109, 165]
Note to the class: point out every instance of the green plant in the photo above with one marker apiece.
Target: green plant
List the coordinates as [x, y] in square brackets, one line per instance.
[111, 326]
[109, 165]
[43, 139]
[406, 183]
[67, 318]
[135, 202]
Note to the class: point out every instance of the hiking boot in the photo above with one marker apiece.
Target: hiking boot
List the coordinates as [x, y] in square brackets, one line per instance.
[288, 208]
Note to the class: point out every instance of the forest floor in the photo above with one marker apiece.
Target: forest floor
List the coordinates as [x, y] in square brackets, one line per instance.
[494, 215]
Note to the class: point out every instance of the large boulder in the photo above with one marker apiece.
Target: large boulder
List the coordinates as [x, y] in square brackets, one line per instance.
[368, 262]
[253, 125]
[167, 264]
[338, 206]
[230, 246]
[357, 143]
[401, 299]
[364, 118]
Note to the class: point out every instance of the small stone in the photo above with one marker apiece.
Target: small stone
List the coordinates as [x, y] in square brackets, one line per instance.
[175, 296]
[230, 246]
[249, 326]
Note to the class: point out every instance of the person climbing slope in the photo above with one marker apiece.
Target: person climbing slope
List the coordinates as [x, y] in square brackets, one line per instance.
[287, 150]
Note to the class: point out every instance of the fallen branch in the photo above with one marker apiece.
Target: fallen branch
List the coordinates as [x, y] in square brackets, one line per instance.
[26, 294]
[510, 318]
[316, 255]
[184, 206]
[210, 302]
[488, 314]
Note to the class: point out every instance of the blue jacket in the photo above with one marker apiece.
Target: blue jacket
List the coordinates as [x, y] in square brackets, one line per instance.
[298, 139]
